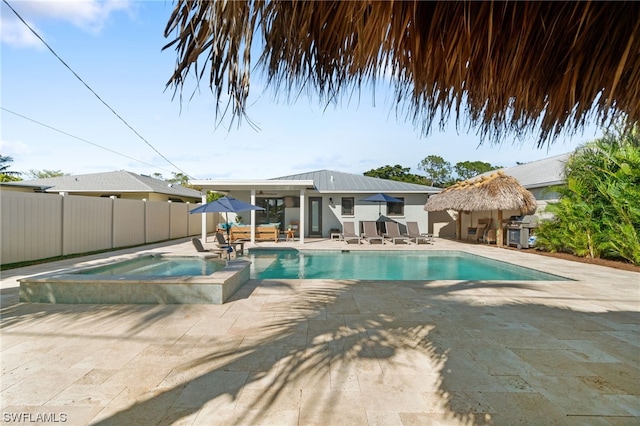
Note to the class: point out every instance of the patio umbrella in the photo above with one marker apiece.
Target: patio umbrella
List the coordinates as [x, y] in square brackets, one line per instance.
[381, 223]
[226, 205]
[381, 198]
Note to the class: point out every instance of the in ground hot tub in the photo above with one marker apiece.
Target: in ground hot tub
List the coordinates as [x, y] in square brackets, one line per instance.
[141, 280]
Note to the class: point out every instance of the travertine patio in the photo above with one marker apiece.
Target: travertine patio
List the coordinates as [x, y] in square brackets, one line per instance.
[304, 352]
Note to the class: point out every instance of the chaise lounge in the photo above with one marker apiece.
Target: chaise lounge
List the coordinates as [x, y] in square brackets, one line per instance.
[200, 248]
[349, 234]
[371, 232]
[413, 232]
[393, 233]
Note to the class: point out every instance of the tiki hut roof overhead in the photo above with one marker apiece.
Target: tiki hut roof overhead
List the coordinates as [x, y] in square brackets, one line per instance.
[497, 191]
[540, 67]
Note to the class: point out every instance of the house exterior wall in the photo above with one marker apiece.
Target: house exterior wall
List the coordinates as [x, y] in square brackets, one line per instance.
[332, 217]
[38, 226]
[150, 196]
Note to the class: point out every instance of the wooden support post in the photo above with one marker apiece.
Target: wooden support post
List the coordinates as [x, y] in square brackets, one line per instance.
[499, 231]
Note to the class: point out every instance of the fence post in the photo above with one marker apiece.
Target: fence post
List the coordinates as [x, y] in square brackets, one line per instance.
[62, 214]
[144, 221]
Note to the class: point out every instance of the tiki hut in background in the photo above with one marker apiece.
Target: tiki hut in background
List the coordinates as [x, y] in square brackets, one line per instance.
[504, 67]
[496, 191]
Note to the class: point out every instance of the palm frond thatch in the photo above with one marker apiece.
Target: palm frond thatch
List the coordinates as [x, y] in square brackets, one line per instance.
[497, 191]
[508, 66]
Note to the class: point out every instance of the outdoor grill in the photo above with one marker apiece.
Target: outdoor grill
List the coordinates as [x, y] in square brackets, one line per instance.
[518, 230]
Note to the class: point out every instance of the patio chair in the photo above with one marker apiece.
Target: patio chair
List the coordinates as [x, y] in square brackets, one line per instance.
[200, 248]
[222, 243]
[371, 232]
[393, 233]
[477, 233]
[349, 234]
[413, 232]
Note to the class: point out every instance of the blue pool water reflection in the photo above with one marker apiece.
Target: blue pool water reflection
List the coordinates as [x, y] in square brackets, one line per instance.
[386, 265]
[159, 266]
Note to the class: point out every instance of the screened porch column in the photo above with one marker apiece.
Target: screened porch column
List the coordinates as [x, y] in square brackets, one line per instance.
[253, 217]
[303, 216]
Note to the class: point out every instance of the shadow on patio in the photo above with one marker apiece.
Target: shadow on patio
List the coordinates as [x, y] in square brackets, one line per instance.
[360, 352]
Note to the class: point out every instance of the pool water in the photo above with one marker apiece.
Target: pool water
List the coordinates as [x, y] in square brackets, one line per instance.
[386, 265]
[159, 266]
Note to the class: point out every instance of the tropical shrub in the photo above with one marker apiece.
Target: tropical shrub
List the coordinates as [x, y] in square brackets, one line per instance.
[598, 213]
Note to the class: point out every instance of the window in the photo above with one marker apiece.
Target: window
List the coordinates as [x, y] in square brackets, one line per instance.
[395, 209]
[347, 206]
[273, 210]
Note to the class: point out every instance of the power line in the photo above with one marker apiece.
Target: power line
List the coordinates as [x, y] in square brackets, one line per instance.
[92, 91]
[80, 139]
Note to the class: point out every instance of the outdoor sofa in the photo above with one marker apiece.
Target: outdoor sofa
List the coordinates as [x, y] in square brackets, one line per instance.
[265, 232]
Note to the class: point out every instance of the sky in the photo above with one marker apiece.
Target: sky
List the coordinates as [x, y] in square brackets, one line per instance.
[51, 120]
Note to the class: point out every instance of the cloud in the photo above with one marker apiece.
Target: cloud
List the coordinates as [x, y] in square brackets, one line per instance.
[12, 148]
[14, 33]
[90, 16]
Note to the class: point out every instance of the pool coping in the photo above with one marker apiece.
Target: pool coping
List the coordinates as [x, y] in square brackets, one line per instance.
[69, 287]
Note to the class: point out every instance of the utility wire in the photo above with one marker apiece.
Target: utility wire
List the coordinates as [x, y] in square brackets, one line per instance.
[91, 90]
[81, 139]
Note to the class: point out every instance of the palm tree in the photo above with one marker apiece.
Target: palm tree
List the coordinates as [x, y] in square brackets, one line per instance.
[598, 214]
[7, 175]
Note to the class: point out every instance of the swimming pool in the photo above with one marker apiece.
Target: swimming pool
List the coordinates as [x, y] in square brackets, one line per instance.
[159, 266]
[386, 265]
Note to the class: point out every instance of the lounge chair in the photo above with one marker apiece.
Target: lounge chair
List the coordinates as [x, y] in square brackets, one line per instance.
[413, 232]
[200, 248]
[349, 234]
[371, 232]
[393, 233]
[222, 243]
[477, 233]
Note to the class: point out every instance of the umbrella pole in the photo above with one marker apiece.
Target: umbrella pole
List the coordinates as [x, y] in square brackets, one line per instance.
[226, 217]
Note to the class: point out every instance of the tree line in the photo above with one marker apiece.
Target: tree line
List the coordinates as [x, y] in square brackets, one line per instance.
[437, 171]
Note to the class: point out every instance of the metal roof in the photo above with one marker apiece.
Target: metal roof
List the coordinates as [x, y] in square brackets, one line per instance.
[117, 181]
[334, 181]
[540, 173]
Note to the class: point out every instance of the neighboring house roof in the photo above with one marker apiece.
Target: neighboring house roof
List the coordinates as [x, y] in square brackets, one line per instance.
[334, 181]
[538, 174]
[117, 181]
[21, 184]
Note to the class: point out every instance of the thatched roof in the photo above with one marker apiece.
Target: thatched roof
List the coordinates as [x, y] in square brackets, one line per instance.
[507, 66]
[497, 191]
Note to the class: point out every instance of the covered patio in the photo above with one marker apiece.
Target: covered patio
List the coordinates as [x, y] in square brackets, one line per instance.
[249, 190]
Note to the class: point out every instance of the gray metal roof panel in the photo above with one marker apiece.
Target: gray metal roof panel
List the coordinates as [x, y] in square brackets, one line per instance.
[117, 181]
[335, 181]
[540, 173]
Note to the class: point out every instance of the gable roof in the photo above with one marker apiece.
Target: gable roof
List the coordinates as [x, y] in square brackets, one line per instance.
[117, 181]
[334, 181]
[540, 173]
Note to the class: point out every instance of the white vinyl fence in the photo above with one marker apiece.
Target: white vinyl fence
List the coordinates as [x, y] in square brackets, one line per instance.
[39, 226]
